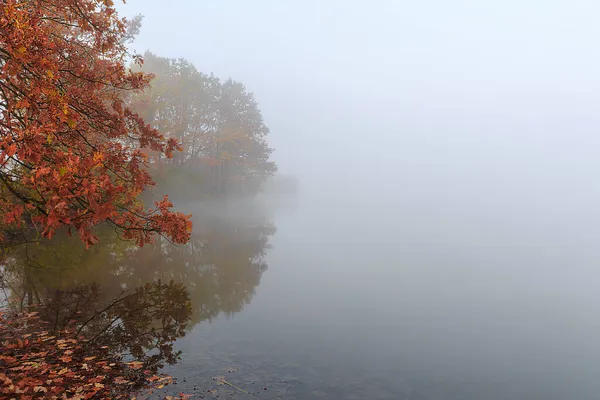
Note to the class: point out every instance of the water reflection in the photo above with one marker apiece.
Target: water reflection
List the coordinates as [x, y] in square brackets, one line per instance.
[140, 300]
[221, 265]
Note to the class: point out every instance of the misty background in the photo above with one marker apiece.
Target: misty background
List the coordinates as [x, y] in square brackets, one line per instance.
[447, 158]
[482, 102]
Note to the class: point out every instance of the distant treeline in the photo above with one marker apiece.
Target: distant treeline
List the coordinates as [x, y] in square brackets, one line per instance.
[219, 125]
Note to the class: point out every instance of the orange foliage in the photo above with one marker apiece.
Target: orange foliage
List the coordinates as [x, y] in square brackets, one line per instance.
[36, 363]
[71, 152]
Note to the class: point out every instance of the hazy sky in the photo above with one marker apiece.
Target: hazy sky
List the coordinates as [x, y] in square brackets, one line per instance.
[376, 86]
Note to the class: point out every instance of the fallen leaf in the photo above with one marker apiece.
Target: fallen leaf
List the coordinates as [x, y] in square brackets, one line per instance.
[135, 364]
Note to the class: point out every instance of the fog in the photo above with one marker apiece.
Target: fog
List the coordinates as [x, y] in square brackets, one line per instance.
[447, 152]
[430, 98]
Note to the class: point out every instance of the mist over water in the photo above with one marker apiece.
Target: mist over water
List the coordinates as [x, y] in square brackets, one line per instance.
[442, 242]
[444, 237]
[391, 296]
[463, 274]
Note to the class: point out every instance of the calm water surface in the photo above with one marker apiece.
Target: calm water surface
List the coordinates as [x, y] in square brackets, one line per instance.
[406, 298]
[356, 298]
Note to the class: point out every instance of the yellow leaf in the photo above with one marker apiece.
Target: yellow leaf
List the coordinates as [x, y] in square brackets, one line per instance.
[49, 138]
[50, 74]
[21, 50]
[98, 157]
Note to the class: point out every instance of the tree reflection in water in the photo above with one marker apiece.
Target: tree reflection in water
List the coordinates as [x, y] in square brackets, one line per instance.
[138, 301]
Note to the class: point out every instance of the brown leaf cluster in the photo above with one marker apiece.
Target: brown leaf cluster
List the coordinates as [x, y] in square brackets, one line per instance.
[38, 364]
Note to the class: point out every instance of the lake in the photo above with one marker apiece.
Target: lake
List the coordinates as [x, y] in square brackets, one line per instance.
[324, 295]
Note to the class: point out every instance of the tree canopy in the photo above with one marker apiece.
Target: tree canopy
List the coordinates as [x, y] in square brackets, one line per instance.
[72, 153]
[218, 123]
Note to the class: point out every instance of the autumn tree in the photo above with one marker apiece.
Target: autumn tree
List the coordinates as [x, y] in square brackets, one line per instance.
[241, 147]
[219, 124]
[72, 153]
[180, 105]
